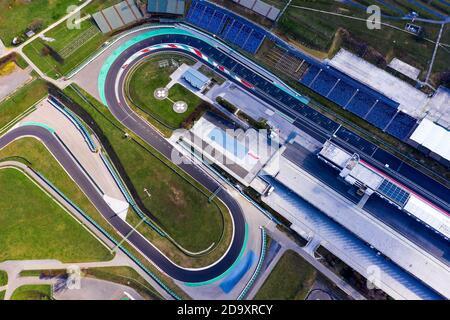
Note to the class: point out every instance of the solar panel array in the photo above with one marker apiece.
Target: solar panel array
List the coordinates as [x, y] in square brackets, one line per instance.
[393, 192]
[226, 25]
[362, 101]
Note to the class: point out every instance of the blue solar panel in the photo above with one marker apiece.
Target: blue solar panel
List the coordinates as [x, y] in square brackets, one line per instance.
[393, 192]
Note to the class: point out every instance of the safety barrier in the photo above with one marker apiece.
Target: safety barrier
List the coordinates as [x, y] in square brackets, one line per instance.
[128, 196]
[76, 122]
[258, 267]
[106, 234]
[217, 173]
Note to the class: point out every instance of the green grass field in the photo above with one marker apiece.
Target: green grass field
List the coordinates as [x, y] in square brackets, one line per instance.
[74, 44]
[291, 279]
[41, 160]
[2, 294]
[317, 31]
[147, 77]
[179, 203]
[3, 278]
[44, 232]
[16, 16]
[20, 101]
[33, 292]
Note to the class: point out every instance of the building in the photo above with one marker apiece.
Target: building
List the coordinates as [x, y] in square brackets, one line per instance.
[117, 16]
[166, 7]
[196, 79]
[369, 180]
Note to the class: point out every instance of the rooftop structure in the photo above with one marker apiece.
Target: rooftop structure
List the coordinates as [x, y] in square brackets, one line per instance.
[370, 180]
[115, 17]
[175, 7]
[260, 7]
[438, 109]
[404, 68]
[240, 153]
[361, 223]
[433, 138]
[195, 78]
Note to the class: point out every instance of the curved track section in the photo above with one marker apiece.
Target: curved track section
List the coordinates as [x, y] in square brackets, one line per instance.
[63, 156]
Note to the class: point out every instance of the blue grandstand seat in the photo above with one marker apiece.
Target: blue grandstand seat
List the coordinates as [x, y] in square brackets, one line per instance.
[231, 27]
[197, 10]
[217, 22]
[361, 104]
[243, 36]
[232, 31]
[381, 114]
[206, 18]
[310, 74]
[324, 83]
[253, 42]
[341, 93]
[401, 125]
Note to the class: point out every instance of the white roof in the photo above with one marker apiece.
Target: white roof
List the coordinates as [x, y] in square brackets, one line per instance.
[433, 137]
[369, 177]
[438, 108]
[412, 101]
[335, 154]
[404, 68]
[428, 214]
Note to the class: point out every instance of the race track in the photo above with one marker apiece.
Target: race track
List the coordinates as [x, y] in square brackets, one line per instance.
[59, 151]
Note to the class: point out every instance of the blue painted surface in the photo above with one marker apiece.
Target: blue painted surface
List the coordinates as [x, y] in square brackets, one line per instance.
[239, 271]
[228, 143]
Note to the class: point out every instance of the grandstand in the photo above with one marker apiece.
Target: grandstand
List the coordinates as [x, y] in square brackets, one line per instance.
[227, 25]
[359, 99]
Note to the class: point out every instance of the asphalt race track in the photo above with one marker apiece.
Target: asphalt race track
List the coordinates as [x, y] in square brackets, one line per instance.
[64, 157]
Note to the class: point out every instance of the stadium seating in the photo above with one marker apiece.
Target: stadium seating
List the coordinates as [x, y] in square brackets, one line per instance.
[227, 25]
[342, 93]
[254, 41]
[361, 104]
[343, 90]
[324, 83]
[380, 115]
[217, 22]
[309, 75]
[401, 125]
[206, 18]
